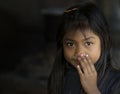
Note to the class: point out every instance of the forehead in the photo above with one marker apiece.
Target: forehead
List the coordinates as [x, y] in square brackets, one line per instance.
[80, 34]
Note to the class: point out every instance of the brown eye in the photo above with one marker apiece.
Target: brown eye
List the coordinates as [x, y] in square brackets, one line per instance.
[70, 44]
[88, 43]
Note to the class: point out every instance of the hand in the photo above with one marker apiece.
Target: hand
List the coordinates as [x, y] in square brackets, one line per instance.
[88, 74]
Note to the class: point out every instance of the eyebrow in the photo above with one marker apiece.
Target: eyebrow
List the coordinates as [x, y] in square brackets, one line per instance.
[69, 40]
[86, 38]
[89, 37]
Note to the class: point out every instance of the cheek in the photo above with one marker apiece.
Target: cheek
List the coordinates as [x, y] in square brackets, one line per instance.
[95, 55]
[68, 54]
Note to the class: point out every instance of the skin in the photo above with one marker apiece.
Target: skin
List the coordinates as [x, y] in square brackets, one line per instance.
[83, 52]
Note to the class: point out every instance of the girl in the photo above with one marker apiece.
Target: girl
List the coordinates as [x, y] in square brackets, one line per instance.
[83, 61]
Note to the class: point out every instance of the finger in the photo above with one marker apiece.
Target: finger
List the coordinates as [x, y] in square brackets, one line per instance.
[92, 67]
[79, 70]
[87, 65]
[84, 64]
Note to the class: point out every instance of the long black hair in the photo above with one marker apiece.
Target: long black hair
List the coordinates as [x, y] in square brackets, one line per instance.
[82, 16]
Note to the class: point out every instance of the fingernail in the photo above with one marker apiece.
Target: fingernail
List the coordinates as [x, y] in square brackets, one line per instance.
[87, 55]
[77, 66]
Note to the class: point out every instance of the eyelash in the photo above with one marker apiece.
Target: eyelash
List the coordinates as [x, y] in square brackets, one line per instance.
[69, 44]
[89, 43]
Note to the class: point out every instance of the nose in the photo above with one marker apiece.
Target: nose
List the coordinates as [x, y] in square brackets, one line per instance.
[79, 51]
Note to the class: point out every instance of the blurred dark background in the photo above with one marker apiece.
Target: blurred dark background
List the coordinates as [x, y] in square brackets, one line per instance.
[27, 41]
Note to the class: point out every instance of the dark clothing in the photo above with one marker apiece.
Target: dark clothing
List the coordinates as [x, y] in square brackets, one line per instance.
[109, 84]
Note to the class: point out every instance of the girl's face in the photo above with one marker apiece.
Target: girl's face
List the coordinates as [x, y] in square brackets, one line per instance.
[75, 44]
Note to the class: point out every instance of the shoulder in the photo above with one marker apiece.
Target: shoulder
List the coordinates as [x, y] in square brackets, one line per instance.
[114, 80]
[111, 81]
[115, 73]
